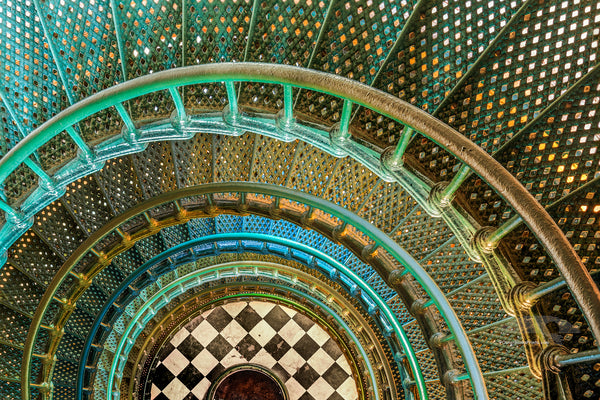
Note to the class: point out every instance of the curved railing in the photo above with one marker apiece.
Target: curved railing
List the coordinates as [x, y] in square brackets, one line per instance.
[261, 244]
[347, 219]
[532, 213]
[339, 141]
[327, 264]
[327, 313]
[158, 300]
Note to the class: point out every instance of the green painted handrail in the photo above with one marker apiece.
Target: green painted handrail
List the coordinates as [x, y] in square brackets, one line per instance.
[344, 215]
[584, 289]
[383, 307]
[227, 266]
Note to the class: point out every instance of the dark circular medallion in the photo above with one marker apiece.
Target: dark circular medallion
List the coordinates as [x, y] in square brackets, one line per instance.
[247, 382]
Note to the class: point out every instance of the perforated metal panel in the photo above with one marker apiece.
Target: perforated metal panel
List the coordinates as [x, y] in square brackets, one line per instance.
[175, 235]
[499, 346]
[29, 66]
[427, 364]
[10, 362]
[193, 160]
[565, 322]
[284, 229]
[350, 184]
[70, 348]
[55, 225]
[217, 32]
[451, 267]
[80, 323]
[311, 170]
[57, 152]
[64, 372]
[435, 390]
[102, 125]
[256, 224]
[151, 107]
[353, 32]
[387, 205]
[201, 227]
[419, 234]
[488, 206]
[228, 223]
[18, 290]
[92, 300]
[260, 97]
[584, 374]
[11, 390]
[558, 153]
[579, 217]
[481, 107]
[63, 392]
[128, 261]
[514, 385]
[272, 160]
[19, 184]
[399, 309]
[155, 169]
[120, 183]
[287, 32]
[232, 157]
[155, 47]
[413, 331]
[150, 247]
[88, 204]
[381, 288]
[530, 259]
[13, 326]
[477, 304]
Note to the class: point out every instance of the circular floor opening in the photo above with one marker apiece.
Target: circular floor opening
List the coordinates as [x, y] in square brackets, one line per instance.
[247, 382]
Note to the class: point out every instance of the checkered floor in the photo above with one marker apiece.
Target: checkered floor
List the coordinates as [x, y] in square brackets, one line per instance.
[296, 349]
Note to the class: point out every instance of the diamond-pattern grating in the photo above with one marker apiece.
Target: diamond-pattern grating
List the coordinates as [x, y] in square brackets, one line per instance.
[193, 160]
[311, 170]
[120, 184]
[287, 32]
[558, 154]
[350, 184]
[32, 81]
[387, 205]
[19, 290]
[451, 267]
[499, 346]
[88, 203]
[420, 234]
[155, 169]
[232, 157]
[156, 47]
[55, 225]
[477, 304]
[32, 255]
[76, 28]
[515, 385]
[579, 219]
[272, 160]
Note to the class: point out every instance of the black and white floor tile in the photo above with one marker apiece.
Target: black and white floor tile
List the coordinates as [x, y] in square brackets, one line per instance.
[300, 352]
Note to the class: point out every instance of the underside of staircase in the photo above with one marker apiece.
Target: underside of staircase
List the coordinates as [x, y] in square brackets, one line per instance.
[419, 177]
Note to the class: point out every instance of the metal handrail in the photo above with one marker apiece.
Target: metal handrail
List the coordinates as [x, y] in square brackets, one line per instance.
[365, 288]
[154, 304]
[184, 247]
[380, 238]
[506, 185]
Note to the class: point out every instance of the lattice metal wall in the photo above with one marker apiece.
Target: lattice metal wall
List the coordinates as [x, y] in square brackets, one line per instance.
[519, 79]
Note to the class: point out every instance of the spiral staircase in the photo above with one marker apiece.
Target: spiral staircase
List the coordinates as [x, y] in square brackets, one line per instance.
[419, 176]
